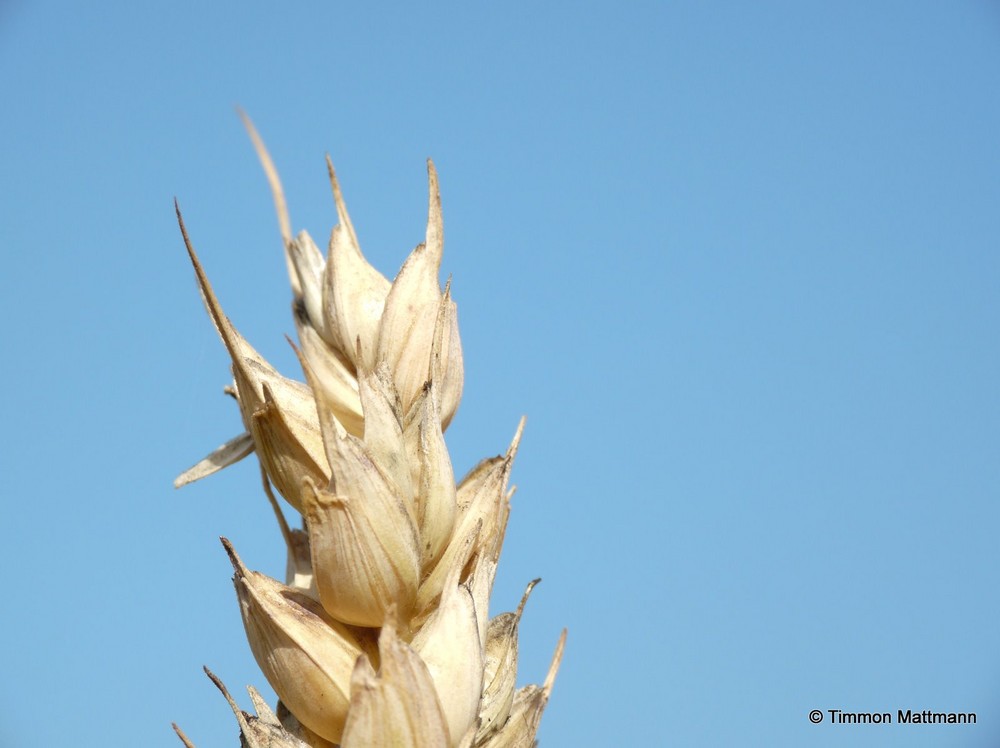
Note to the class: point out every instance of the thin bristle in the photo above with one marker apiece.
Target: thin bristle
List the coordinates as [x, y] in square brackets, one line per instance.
[219, 318]
[277, 192]
[181, 735]
[338, 199]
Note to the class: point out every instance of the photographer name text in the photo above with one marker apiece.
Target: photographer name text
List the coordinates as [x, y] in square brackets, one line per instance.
[901, 717]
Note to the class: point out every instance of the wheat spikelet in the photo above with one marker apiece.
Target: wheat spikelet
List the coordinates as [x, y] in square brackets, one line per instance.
[380, 634]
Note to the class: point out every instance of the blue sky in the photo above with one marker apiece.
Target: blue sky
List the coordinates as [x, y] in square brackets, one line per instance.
[737, 263]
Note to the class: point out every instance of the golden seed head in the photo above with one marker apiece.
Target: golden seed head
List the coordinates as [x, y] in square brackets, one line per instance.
[382, 634]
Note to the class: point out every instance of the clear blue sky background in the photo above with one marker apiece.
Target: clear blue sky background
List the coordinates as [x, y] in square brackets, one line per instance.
[737, 262]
